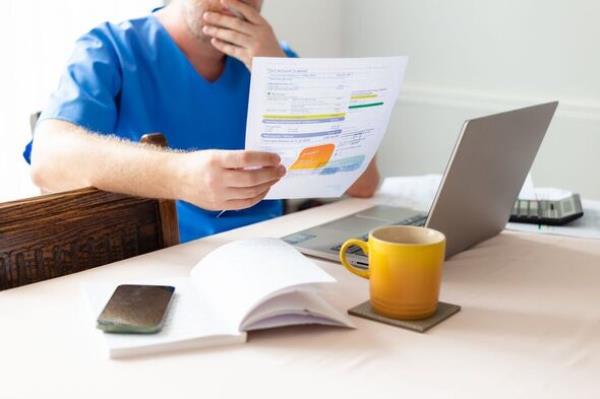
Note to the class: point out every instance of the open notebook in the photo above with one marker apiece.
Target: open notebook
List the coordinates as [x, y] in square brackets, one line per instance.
[241, 286]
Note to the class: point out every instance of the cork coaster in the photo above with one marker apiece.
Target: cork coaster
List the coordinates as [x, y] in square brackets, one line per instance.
[444, 311]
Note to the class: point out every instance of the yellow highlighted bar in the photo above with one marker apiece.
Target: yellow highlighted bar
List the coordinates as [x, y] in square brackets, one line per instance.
[304, 117]
[363, 96]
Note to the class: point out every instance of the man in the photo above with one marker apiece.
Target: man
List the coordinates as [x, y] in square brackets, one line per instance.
[182, 71]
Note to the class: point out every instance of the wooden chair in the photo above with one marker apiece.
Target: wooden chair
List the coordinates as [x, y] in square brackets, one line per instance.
[58, 234]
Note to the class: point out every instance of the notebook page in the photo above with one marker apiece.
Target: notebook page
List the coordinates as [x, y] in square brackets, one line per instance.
[238, 276]
[301, 306]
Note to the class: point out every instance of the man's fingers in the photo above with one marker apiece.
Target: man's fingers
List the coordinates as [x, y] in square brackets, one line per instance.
[234, 193]
[226, 21]
[229, 49]
[244, 203]
[252, 178]
[227, 35]
[247, 11]
[249, 159]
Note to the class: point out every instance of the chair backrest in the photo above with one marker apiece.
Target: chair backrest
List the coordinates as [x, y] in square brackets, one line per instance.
[58, 234]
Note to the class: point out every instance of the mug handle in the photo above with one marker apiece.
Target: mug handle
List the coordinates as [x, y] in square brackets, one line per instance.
[364, 246]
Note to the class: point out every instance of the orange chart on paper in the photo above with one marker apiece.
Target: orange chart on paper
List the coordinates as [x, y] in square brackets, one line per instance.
[313, 157]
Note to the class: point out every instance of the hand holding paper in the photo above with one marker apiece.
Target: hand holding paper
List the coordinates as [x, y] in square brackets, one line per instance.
[228, 179]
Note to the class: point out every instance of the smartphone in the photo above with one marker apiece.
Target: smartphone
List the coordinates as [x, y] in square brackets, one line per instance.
[136, 309]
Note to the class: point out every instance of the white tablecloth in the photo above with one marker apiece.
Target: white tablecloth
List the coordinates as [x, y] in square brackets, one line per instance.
[529, 328]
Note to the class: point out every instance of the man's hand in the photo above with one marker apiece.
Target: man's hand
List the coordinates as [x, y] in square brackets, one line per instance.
[244, 38]
[366, 185]
[224, 180]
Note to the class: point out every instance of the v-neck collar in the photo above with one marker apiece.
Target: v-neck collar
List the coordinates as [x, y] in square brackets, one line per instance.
[227, 62]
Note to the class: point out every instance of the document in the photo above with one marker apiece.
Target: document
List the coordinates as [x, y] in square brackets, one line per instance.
[324, 117]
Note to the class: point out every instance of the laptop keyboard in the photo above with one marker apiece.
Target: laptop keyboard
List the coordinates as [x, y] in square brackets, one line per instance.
[417, 220]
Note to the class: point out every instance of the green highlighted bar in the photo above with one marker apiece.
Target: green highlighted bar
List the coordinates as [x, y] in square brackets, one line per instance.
[304, 117]
[366, 105]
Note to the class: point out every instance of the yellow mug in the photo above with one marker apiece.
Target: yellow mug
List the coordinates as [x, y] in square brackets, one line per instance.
[405, 270]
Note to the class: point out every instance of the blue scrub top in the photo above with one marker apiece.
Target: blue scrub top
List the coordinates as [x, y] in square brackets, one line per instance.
[130, 79]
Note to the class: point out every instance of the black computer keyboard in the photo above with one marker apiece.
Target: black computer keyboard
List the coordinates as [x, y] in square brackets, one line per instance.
[417, 220]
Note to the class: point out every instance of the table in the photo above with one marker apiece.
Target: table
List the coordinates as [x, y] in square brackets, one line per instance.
[529, 327]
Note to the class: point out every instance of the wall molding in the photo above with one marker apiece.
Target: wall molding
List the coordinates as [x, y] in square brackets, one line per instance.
[416, 94]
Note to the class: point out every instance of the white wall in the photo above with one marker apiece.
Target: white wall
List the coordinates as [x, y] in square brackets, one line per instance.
[36, 38]
[313, 28]
[469, 58]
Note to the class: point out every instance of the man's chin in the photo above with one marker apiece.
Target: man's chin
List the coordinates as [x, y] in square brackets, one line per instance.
[199, 35]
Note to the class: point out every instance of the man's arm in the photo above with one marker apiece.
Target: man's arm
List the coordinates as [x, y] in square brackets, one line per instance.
[66, 156]
[366, 185]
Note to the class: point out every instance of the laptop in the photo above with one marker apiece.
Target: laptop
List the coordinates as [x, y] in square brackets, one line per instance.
[482, 180]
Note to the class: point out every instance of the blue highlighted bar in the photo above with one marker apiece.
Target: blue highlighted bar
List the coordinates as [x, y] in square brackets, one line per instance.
[299, 135]
[348, 164]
